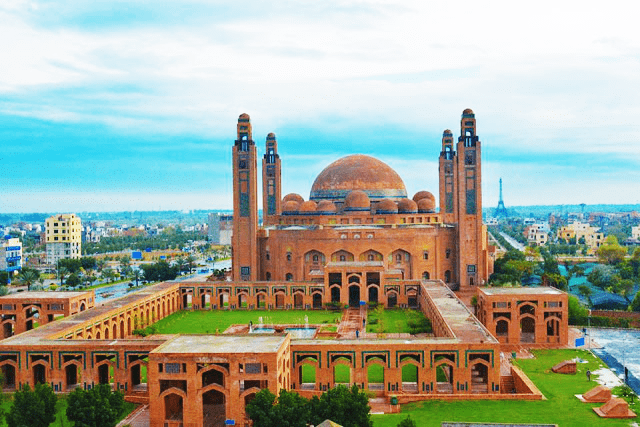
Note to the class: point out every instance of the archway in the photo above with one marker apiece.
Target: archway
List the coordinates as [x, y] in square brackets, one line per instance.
[7, 329]
[213, 408]
[224, 299]
[373, 295]
[83, 307]
[335, 294]
[479, 378]
[71, 376]
[553, 328]
[173, 405]
[317, 300]
[261, 299]
[392, 299]
[527, 330]
[9, 374]
[444, 375]
[342, 373]
[280, 300]
[410, 378]
[123, 332]
[307, 375]
[105, 374]
[298, 300]
[39, 374]
[242, 300]
[139, 376]
[502, 328]
[375, 376]
[354, 296]
[212, 376]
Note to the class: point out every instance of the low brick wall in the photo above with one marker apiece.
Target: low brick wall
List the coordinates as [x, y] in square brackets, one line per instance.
[523, 385]
[456, 424]
[634, 317]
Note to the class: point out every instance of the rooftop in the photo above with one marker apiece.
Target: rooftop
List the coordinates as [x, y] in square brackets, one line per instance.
[212, 344]
[534, 290]
[44, 295]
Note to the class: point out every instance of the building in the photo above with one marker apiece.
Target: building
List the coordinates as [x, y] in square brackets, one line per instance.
[220, 228]
[582, 234]
[358, 239]
[531, 316]
[358, 225]
[10, 254]
[63, 237]
[537, 234]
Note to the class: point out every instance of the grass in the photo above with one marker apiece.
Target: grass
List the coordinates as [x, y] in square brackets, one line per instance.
[61, 411]
[216, 321]
[561, 408]
[397, 321]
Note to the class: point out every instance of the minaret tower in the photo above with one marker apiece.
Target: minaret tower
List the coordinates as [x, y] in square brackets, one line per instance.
[471, 244]
[447, 179]
[271, 182]
[245, 204]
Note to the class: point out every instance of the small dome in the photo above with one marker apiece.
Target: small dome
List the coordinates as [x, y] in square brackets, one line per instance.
[426, 205]
[290, 206]
[308, 206]
[357, 200]
[292, 197]
[407, 206]
[447, 132]
[423, 195]
[387, 206]
[467, 111]
[271, 135]
[326, 206]
[244, 116]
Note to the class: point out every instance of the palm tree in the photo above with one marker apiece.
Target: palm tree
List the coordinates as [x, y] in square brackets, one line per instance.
[28, 277]
[137, 275]
[62, 273]
[180, 262]
[190, 260]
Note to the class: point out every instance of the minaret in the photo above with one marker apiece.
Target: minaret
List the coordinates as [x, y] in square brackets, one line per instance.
[245, 204]
[271, 182]
[471, 246]
[447, 179]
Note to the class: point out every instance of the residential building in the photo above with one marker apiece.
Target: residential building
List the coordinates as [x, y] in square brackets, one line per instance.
[64, 237]
[583, 234]
[10, 254]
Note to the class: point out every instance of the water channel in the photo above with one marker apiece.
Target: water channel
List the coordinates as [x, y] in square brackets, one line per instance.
[619, 350]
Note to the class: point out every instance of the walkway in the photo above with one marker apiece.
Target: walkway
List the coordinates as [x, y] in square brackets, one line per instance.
[352, 321]
[138, 418]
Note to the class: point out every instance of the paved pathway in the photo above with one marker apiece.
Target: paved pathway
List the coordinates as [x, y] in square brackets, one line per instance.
[352, 321]
[138, 418]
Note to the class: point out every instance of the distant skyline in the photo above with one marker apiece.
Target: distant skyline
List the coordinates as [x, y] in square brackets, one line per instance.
[113, 106]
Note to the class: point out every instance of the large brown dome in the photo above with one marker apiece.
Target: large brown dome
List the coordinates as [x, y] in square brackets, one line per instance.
[358, 172]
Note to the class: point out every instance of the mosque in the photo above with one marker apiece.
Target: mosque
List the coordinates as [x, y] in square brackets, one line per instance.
[359, 231]
[358, 241]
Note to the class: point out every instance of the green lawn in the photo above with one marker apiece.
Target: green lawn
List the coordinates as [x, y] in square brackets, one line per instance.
[397, 321]
[212, 321]
[561, 408]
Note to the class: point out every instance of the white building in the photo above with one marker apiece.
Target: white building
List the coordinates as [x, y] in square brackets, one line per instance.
[10, 254]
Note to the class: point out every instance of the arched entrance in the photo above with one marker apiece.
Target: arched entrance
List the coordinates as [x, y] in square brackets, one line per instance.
[280, 300]
[173, 405]
[479, 378]
[373, 294]
[9, 374]
[297, 300]
[71, 376]
[335, 294]
[317, 300]
[392, 299]
[527, 330]
[410, 378]
[354, 296]
[213, 408]
[39, 374]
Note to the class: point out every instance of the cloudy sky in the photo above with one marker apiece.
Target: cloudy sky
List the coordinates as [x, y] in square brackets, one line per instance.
[124, 105]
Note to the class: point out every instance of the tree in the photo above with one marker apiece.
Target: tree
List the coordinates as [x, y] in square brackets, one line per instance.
[28, 277]
[585, 290]
[610, 251]
[347, 407]
[4, 278]
[35, 408]
[73, 280]
[407, 422]
[290, 409]
[98, 407]
[635, 304]
[577, 312]
[190, 260]
[62, 273]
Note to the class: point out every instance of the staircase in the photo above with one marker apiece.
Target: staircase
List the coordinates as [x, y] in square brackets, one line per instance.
[506, 384]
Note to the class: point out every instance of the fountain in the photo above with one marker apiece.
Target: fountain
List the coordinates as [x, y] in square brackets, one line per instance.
[260, 322]
[306, 321]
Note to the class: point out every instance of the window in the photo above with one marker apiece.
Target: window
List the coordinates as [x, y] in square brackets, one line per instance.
[398, 258]
[370, 257]
[315, 258]
[245, 271]
[289, 277]
[425, 255]
[343, 258]
[448, 253]
[288, 256]
[268, 276]
[471, 268]
[267, 256]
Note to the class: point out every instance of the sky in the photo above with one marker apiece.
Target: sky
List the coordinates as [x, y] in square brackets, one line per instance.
[133, 105]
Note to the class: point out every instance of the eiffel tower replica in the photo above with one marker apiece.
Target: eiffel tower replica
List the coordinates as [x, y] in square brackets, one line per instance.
[501, 210]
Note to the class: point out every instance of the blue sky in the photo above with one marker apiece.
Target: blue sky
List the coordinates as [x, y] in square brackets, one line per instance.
[114, 105]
